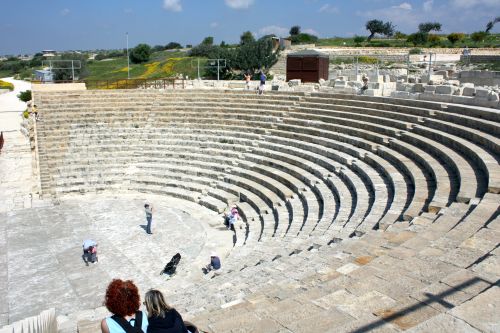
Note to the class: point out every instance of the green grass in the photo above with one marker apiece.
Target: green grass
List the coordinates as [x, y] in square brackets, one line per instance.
[162, 64]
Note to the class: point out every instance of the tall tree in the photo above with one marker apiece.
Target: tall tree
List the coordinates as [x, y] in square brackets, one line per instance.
[295, 30]
[208, 41]
[491, 24]
[140, 53]
[429, 26]
[246, 37]
[379, 27]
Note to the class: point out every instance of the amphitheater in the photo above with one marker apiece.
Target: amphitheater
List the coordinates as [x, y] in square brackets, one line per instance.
[359, 214]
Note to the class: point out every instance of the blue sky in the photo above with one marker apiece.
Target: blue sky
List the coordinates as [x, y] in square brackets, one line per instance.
[27, 26]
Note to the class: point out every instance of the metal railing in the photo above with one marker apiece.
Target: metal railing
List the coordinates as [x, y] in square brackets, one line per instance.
[165, 83]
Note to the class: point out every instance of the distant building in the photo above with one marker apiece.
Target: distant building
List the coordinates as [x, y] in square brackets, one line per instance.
[43, 75]
[49, 53]
[281, 43]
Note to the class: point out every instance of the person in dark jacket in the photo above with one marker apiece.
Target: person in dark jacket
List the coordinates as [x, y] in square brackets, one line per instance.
[161, 317]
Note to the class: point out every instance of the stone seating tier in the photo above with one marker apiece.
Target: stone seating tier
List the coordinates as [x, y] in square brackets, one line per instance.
[316, 174]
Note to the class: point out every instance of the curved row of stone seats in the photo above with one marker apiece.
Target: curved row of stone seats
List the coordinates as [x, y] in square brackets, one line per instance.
[182, 150]
[442, 199]
[471, 131]
[363, 261]
[222, 162]
[459, 165]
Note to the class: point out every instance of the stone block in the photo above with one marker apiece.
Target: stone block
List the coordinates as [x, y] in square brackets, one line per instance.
[294, 82]
[401, 86]
[372, 92]
[340, 84]
[444, 90]
[430, 89]
[493, 96]
[469, 91]
[400, 94]
[418, 88]
[482, 92]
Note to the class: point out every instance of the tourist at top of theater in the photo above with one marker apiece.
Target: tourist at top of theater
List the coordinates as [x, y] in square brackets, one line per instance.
[161, 317]
[262, 82]
[248, 77]
[123, 300]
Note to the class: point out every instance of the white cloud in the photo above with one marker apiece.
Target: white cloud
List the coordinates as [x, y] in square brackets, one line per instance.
[273, 29]
[172, 5]
[214, 24]
[239, 4]
[475, 3]
[65, 12]
[428, 5]
[311, 32]
[327, 8]
[404, 6]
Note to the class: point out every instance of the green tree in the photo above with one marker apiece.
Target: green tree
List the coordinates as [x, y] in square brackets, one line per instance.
[141, 53]
[247, 37]
[358, 39]
[455, 37]
[418, 38]
[478, 36]
[208, 41]
[303, 38]
[25, 96]
[400, 35]
[295, 30]
[429, 26]
[379, 27]
[173, 46]
[491, 24]
[158, 48]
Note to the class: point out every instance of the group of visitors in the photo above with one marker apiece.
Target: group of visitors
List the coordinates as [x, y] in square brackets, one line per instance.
[122, 299]
[262, 84]
[231, 217]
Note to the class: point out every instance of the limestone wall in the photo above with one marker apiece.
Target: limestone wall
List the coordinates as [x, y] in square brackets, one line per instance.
[480, 78]
[45, 322]
[58, 87]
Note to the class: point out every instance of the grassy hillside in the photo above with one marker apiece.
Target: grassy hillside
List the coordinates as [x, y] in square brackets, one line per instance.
[492, 40]
[161, 65]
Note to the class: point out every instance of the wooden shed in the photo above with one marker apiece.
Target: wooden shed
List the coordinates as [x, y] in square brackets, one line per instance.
[307, 65]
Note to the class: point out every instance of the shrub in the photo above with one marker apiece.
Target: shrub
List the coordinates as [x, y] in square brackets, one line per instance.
[173, 46]
[367, 60]
[6, 85]
[478, 36]
[433, 38]
[303, 39]
[400, 35]
[25, 96]
[140, 53]
[455, 37]
[358, 39]
[418, 38]
[415, 50]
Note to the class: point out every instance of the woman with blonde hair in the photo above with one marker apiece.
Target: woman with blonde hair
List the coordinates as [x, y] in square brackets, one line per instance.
[161, 317]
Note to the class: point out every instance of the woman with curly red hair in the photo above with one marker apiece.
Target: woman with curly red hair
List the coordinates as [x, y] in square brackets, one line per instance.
[123, 300]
